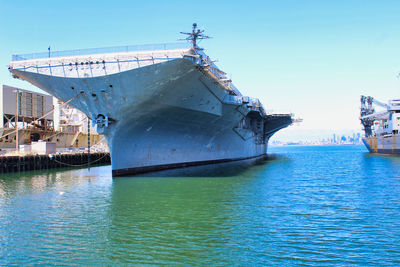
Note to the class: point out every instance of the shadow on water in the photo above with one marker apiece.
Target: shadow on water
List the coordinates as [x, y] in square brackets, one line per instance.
[227, 169]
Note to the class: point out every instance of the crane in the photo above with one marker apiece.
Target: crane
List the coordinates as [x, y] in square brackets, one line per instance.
[368, 114]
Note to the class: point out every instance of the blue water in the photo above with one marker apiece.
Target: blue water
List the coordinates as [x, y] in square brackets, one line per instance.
[327, 205]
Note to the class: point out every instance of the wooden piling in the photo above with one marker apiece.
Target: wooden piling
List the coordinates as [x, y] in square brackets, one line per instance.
[16, 164]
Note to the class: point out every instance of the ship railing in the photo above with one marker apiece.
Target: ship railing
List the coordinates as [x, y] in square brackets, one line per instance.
[219, 74]
[251, 103]
[233, 99]
[102, 50]
[254, 103]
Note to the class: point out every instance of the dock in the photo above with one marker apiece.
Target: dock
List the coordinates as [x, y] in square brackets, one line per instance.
[12, 164]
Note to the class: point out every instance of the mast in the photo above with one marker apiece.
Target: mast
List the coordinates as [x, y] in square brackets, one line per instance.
[195, 35]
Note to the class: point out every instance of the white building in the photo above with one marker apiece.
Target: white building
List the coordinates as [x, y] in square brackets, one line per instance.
[70, 120]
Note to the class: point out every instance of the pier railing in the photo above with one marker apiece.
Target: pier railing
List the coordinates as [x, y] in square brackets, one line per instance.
[101, 50]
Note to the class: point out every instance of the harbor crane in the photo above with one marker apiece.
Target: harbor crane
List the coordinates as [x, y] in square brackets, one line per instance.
[368, 114]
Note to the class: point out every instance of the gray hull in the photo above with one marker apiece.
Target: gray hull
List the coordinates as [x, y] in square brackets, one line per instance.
[166, 115]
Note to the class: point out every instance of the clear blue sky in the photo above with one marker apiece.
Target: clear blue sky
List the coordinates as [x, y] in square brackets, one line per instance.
[312, 58]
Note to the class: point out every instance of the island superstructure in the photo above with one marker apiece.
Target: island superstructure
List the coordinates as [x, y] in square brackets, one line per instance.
[159, 106]
[381, 127]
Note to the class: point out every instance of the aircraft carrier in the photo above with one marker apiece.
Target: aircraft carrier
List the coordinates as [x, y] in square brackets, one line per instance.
[159, 106]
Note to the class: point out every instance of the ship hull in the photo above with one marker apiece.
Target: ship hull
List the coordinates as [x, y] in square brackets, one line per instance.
[388, 145]
[176, 137]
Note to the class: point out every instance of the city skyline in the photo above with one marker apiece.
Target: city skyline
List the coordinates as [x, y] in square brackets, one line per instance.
[351, 138]
[298, 135]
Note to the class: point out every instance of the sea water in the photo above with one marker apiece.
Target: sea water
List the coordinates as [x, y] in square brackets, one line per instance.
[315, 205]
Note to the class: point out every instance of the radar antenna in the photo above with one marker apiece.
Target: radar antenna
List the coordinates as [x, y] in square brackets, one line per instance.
[195, 35]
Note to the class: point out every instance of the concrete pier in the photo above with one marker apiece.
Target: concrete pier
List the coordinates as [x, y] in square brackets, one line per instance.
[9, 164]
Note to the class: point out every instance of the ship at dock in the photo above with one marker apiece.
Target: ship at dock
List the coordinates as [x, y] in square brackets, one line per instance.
[159, 106]
[382, 127]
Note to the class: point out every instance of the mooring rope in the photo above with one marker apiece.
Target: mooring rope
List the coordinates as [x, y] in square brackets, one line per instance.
[80, 165]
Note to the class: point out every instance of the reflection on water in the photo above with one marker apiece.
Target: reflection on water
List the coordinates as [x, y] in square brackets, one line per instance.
[308, 205]
[45, 215]
[171, 215]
